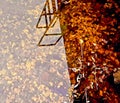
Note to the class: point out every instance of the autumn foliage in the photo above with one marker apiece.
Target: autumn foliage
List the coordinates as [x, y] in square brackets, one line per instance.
[96, 23]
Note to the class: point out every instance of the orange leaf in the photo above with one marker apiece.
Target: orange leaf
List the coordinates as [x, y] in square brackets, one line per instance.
[101, 93]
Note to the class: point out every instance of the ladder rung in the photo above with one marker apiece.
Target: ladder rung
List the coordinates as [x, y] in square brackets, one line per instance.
[53, 34]
[39, 44]
[48, 13]
[46, 44]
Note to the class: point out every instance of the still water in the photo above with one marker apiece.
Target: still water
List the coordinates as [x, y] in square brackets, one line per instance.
[28, 73]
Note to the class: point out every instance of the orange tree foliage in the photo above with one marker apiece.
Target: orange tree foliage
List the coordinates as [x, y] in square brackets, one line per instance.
[96, 22]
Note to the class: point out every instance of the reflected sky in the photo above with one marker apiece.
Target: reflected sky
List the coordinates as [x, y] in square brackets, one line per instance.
[28, 73]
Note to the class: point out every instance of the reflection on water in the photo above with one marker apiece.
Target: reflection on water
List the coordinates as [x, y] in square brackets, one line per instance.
[28, 73]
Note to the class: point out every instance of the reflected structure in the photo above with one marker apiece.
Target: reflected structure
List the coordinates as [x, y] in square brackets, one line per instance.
[90, 30]
[50, 15]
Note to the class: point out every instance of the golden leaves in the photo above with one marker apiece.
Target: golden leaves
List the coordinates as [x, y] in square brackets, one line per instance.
[116, 75]
[41, 87]
[101, 93]
[101, 51]
[51, 83]
[3, 72]
[72, 78]
[17, 91]
[34, 12]
[23, 44]
[30, 65]
[10, 65]
[9, 82]
[91, 24]
[60, 84]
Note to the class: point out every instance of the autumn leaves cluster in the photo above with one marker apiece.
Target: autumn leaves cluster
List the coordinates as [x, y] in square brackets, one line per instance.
[97, 24]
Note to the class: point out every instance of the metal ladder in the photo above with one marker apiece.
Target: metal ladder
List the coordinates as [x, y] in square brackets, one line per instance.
[51, 18]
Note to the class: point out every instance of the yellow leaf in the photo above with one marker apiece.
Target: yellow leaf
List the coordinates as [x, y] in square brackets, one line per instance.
[101, 93]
